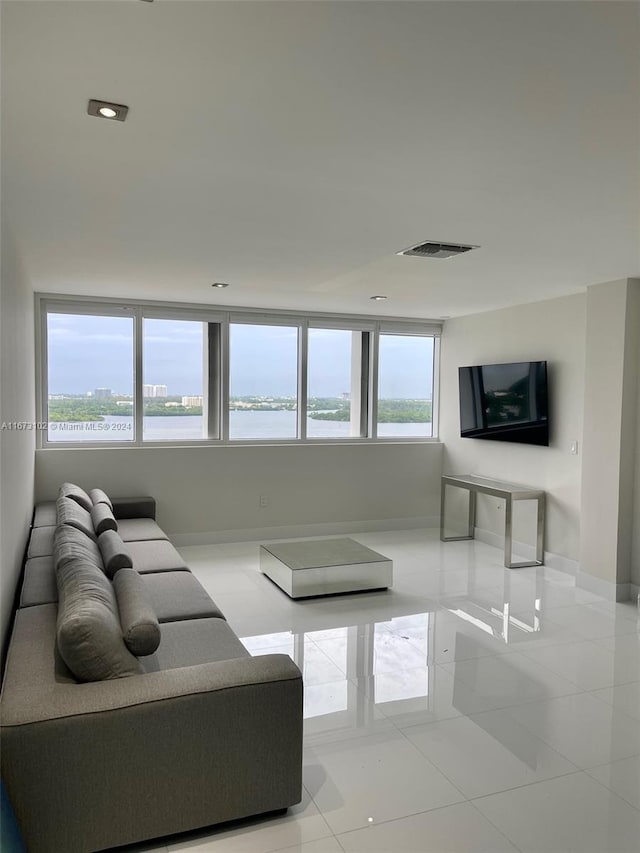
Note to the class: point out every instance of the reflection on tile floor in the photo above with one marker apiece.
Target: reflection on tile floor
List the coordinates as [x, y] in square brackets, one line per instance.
[470, 708]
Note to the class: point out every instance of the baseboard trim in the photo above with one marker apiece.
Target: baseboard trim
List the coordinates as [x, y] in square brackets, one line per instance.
[605, 589]
[528, 552]
[295, 531]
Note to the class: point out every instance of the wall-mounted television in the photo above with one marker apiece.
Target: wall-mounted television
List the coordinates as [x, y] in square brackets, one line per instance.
[505, 402]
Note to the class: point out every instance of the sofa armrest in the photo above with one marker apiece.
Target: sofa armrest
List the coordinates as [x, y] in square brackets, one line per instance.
[143, 507]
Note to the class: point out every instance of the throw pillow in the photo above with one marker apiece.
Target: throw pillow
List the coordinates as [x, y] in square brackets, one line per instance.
[71, 513]
[139, 623]
[115, 554]
[88, 631]
[99, 497]
[70, 490]
[69, 544]
[102, 519]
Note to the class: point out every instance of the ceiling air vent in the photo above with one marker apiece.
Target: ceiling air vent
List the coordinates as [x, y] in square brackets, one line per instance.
[436, 250]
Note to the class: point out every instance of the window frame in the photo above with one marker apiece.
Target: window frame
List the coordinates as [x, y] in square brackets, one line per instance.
[211, 385]
[217, 381]
[287, 320]
[413, 331]
[89, 308]
[368, 332]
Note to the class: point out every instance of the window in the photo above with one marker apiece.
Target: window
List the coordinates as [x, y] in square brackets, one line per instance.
[405, 386]
[90, 378]
[173, 391]
[158, 373]
[334, 385]
[263, 381]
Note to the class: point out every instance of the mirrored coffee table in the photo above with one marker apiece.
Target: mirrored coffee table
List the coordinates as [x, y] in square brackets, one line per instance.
[325, 567]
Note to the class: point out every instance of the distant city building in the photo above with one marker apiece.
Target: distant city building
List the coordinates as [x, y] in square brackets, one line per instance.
[171, 405]
[346, 395]
[102, 393]
[57, 397]
[191, 402]
[154, 391]
[124, 402]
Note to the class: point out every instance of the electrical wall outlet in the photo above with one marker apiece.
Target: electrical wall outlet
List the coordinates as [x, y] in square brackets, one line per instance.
[263, 501]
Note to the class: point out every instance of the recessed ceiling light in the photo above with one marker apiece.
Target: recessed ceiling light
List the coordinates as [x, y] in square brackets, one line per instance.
[378, 298]
[219, 284]
[105, 109]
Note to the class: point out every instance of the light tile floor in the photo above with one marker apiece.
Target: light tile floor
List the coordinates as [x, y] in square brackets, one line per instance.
[470, 708]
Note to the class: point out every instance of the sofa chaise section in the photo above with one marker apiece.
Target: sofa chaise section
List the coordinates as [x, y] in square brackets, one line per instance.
[201, 734]
[102, 764]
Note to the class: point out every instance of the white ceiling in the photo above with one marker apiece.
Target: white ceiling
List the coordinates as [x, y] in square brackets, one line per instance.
[292, 149]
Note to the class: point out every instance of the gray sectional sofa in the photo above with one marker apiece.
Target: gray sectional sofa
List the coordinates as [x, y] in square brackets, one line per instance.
[193, 733]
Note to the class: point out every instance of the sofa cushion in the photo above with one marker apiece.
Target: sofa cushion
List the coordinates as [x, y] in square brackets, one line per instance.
[178, 595]
[155, 555]
[192, 642]
[115, 554]
[140, 529]
[70, 490]
[45, 514]
[39, 584]
[70, 544]
[71, 513]
[99, 497]
[89, 636]
[139, 623]
[102, 519]
[41, 542]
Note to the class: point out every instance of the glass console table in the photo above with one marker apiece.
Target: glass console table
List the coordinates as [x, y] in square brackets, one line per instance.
[511, 492]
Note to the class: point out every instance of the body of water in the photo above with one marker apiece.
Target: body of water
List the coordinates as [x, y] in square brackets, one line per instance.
[243, 425]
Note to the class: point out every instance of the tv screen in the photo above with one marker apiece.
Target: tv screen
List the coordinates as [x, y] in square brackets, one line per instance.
[505, 402]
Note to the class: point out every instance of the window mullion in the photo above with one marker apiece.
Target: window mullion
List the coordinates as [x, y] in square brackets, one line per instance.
[435, 389]
[364, 389]
[212, 401]
[372, 408]
[138, 378]
[42, 376]
[303, 377]
[224, 380]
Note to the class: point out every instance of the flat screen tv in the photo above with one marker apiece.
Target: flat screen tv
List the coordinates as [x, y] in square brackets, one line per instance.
[505, 402]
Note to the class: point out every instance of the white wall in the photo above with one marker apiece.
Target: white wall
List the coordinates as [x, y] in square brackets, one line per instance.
[553, 330]
[635, 544]
[610, 430]
[635, 548]
[629, 520]
[203, 490]
[17, 403]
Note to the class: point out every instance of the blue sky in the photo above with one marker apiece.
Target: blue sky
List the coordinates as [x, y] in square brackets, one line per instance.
[88, 352]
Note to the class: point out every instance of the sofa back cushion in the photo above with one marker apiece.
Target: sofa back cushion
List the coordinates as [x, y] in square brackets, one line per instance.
[70, 544]
[102, 519]
[115, 554]
[99, 497]
[88, 632]
[139, 623]
[70, 490]
[71, 513]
